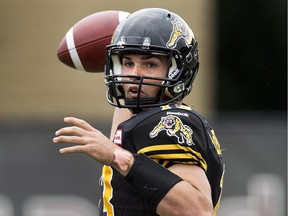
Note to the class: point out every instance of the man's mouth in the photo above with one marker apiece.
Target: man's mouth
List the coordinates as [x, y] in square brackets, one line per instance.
[134, 91]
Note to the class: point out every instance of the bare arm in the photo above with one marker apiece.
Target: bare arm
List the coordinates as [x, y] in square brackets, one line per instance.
[119, 116]
[192, 196]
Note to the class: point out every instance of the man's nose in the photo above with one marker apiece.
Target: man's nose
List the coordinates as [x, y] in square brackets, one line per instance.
[137, 70]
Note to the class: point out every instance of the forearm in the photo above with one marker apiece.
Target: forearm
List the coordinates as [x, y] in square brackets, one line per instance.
[185, 200]
[178, 197]
[192, 196]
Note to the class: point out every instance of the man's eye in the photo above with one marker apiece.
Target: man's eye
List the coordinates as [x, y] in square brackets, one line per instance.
[127, 64]
[151, 65]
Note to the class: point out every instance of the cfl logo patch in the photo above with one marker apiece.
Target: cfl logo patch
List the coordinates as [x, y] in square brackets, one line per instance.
[118, 137]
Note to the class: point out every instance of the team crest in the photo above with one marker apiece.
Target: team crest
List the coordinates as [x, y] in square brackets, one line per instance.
[180, 30]
[174, 127]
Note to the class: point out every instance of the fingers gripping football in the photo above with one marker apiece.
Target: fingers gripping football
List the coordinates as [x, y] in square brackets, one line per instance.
[84, 138]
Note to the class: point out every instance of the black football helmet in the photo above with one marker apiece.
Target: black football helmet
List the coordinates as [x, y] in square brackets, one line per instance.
[152, 31]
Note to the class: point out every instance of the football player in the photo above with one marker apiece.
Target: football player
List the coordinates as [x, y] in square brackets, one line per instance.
[165, 158]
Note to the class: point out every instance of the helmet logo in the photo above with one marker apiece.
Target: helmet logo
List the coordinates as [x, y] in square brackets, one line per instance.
[180, 30]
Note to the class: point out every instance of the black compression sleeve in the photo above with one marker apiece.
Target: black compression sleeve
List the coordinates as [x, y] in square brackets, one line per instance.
[151, 180]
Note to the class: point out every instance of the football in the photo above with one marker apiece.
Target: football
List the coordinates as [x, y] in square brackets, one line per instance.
[83, 46]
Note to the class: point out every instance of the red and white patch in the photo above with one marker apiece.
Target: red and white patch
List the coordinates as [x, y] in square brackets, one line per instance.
[118, 137]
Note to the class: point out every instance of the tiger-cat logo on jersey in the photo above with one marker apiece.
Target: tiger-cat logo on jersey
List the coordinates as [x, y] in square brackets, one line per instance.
[174, 127]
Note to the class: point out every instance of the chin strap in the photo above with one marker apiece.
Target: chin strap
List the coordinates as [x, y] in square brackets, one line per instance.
[139, 102]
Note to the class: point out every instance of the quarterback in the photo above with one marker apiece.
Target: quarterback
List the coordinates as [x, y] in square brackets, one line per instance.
[164, 157]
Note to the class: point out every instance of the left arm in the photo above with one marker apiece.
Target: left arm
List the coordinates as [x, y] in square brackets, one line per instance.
[192, 196]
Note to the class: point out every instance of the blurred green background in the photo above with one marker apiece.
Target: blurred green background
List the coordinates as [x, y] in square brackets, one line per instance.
[241, 89]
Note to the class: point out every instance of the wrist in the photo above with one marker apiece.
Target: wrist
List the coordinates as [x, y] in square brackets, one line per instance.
[123, 161]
